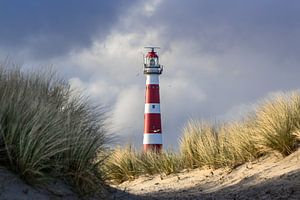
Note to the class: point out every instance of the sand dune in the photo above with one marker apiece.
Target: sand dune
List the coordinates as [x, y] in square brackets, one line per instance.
[13, 188]
[270, 177]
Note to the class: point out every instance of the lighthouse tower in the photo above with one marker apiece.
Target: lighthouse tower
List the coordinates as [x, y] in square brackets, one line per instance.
[152, 119]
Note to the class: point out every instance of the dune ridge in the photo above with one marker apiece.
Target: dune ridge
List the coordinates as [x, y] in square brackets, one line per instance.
[269, 177]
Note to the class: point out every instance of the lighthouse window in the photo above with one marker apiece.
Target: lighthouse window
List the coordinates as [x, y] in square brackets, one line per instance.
[153, 106]
[152, 62]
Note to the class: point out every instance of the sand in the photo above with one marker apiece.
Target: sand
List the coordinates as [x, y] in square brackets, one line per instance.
[270, 177]
[13, 188]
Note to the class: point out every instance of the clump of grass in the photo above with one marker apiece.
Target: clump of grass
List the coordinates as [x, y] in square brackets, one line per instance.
[127, 164]
[46, 131]
[274, 125]
[123, 164]
[86, 145]
[236, 144]
[199, 144]
[276, 122]
[166, 163]
[206, 144]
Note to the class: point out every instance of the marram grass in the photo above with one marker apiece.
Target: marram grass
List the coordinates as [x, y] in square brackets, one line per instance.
[127, 164]
[276, 121]
[273, 126]
[206, 144]
[199, 144]
[46, 131]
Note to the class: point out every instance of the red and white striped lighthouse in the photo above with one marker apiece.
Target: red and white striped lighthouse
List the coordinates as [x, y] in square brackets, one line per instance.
[152, 119]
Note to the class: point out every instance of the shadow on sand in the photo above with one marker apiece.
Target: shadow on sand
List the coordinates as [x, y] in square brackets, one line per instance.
[286, 186]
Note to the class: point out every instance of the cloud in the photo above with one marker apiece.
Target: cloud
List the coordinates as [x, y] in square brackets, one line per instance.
[99, 91]
[51, 28]
[128, 114]
[219, 57]
[218, 61]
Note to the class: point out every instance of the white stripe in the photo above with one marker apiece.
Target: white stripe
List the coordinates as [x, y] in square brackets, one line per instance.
[150, 138]
[152, 79]
[152, 108]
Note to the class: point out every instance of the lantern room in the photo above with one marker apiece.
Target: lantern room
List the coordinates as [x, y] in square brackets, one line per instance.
[151, 62]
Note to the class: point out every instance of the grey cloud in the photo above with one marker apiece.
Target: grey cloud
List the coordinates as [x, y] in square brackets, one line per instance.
[51, 28]
[220, 57]
[219, 25]
[233, 52]
[254, 46]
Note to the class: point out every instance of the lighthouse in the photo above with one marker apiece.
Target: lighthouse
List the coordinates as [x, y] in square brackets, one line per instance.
[152, 118]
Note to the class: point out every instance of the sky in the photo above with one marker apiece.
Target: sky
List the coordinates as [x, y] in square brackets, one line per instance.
[219, 57]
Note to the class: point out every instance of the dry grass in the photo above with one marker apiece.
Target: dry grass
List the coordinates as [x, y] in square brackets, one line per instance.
[273, 126]
[166, 163]
[276, 121]
[127, 164]
[205, 144]
[199, 144]
[123, 164]
[236, 144]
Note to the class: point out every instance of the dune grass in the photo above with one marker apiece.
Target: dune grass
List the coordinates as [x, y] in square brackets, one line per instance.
[237, 144]
[277, 120]
[123, 164]
[46, 131]
[206, 144]
[273, 126]
[128, 163]
[199, 144]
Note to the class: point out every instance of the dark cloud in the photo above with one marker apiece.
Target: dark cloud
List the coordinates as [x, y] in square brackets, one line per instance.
[219, 56]
[219, 25]
[254, 47]
[52, 28]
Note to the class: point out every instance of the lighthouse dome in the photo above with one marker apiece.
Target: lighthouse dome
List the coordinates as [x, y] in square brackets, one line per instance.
[151, 54]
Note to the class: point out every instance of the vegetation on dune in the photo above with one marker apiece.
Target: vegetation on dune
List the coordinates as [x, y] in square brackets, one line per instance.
[127, 163]
[47, 131]
[205, 144]
[277, 122]
[237, 144]
[122, 165]
[273, 126]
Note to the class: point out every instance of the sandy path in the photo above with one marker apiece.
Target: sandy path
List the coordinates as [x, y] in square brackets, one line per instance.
[268, 178]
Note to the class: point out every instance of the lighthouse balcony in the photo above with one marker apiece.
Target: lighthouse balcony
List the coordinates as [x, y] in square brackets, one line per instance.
[153, 70]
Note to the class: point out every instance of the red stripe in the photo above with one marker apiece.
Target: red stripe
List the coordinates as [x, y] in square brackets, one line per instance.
[152, 93]
[152, 123]
[153, 147]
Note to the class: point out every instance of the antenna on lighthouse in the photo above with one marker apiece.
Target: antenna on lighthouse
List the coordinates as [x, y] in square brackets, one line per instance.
[152, 118]
[152, 48]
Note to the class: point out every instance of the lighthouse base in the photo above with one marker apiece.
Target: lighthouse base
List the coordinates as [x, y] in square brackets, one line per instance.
[153, 147]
